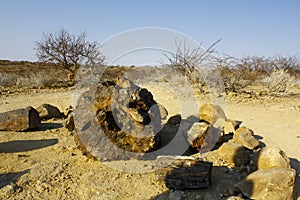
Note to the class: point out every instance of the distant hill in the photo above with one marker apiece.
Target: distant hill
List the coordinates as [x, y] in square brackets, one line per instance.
[25, 74]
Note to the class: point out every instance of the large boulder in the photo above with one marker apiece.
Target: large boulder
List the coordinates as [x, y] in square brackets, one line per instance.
[20, 119]
[271, 157]
[211, 113]
[47, 111]
[120, 122]
[233, 154]
[265, 184]
[244, 136]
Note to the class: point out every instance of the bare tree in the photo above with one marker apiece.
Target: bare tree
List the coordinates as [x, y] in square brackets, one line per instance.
[193, 63]
[68, 51]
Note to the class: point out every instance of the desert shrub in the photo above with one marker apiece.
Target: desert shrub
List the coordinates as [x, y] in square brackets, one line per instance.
[280, 81]
[38, 80]
[240, 73]
[195, 64]
[6, 79]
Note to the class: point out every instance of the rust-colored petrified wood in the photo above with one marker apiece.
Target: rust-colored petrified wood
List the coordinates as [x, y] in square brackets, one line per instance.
[117, 119]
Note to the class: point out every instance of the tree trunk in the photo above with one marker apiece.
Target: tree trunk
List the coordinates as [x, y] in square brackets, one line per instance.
[19, 120]
[71, 78]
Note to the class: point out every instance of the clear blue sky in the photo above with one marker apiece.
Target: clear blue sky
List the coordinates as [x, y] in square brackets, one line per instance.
[257, 27]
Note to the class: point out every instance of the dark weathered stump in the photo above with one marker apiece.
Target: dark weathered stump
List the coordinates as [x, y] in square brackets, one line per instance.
[183, 173]
[117, 120]
[19, 120]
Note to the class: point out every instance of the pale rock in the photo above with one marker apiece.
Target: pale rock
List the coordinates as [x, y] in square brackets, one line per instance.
[47, 111]
[244, 136]
[234, 198]
[211, 113]
[163, 111]
[265, 184]
[233, 154]
[271, 157]
[230, 126]
[244, 129]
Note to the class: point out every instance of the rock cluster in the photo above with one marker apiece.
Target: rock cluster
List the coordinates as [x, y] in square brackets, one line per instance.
[271, 177]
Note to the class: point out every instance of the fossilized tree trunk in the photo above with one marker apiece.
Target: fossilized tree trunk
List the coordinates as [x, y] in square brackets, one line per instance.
[117, 120]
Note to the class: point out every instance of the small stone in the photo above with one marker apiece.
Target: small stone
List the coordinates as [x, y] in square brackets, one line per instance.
[197, 133]
[7, 191]
[230, 126]
[231, 191]
[244, 136]
[68, 111]
[162, 110]
[212, 137]
[235, 198]
[211, 113]
[175, 195]
[47, 111]
[69, 123]
[244, 129]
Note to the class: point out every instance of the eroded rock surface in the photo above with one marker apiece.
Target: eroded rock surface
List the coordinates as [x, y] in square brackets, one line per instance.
[121, 121]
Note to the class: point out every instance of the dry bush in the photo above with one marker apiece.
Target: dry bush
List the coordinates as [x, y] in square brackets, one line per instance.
[6, 80]
[240, 73]
[280, 81]
[195, 64]
[202, 69]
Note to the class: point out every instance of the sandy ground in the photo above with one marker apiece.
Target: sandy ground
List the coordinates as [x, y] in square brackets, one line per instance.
[45, 164]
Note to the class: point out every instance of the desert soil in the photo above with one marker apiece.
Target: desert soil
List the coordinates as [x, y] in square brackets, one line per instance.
[45, 164]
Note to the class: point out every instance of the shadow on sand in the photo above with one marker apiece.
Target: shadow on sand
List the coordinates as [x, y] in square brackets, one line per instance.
[11, 177]
[25, 145]
[296, 165]
[48, 126]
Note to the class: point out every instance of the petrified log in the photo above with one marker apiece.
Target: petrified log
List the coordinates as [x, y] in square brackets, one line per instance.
[19, 120]
[183, 172]
[117, 120]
